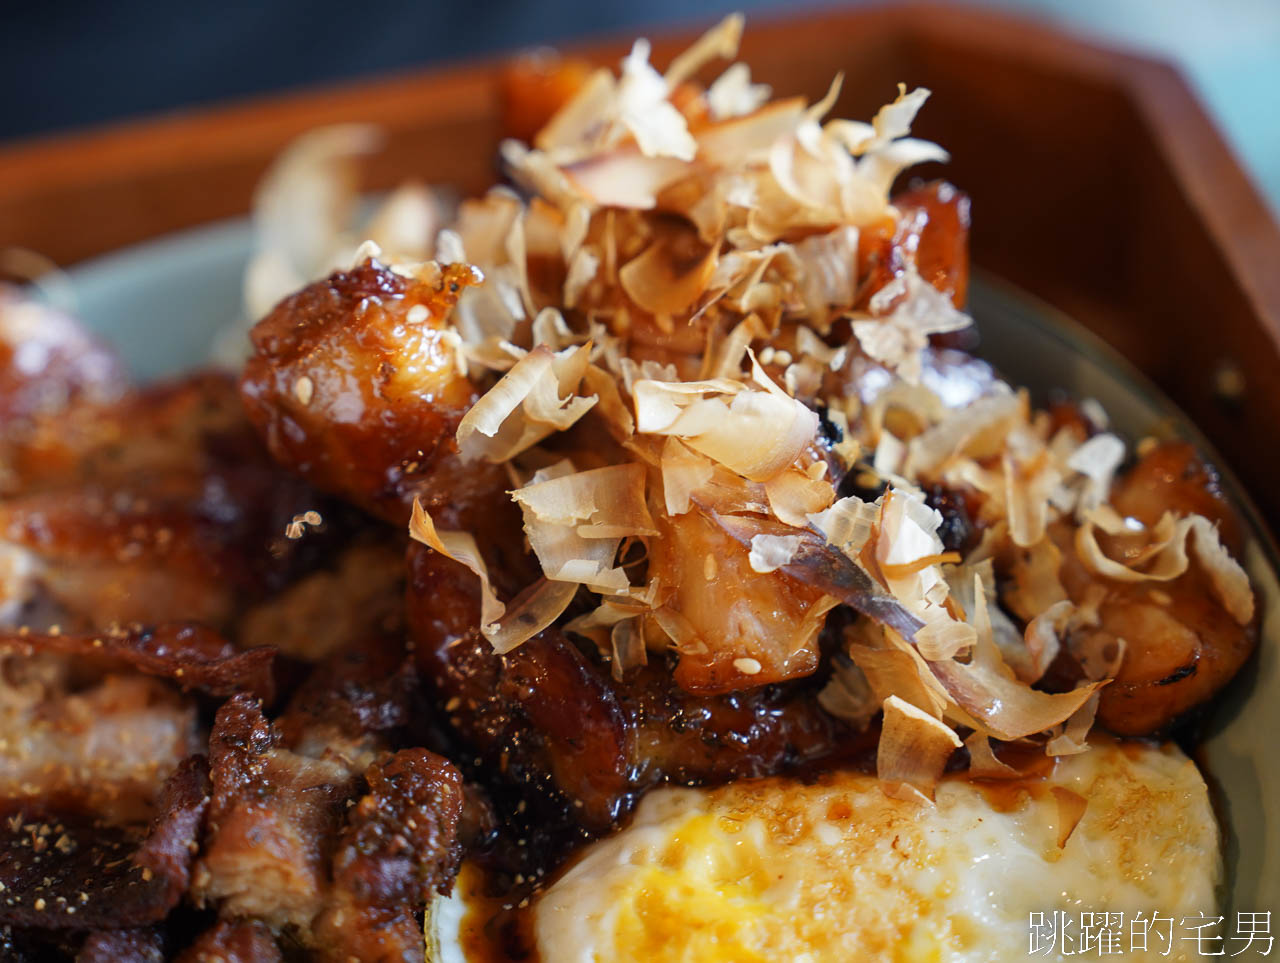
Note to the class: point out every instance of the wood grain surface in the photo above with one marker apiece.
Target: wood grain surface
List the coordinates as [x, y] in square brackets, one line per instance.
[1098, 181]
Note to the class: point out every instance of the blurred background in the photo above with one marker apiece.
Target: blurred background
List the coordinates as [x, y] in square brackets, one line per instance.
[86, 62]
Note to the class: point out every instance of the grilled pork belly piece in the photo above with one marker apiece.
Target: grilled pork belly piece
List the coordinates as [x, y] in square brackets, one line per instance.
[315, 828]
[354, 384]
[64, 869]
[98, 720]
[548, 716]
[1180, 643]
[108, 746]
[399, 848]
[48, 365]
[160, 507]
[272, 822]
[233, 941]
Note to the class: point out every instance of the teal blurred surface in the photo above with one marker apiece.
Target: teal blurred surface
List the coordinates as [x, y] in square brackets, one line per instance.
[1228, 49]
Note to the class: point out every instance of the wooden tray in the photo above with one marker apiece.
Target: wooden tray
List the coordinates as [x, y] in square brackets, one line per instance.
[1098, 182]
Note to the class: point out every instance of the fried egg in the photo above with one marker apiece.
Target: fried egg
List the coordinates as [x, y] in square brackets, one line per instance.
[835, 869]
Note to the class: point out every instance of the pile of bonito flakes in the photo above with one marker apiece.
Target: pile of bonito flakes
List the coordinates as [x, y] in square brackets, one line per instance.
[687, 369]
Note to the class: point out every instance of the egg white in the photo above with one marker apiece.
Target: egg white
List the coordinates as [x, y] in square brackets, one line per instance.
[777, 869]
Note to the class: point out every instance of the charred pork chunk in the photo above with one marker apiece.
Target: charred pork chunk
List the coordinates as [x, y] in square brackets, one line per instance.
[238, 941]
[316, 828]
[66, 870]
[354, 384]
[160, 507]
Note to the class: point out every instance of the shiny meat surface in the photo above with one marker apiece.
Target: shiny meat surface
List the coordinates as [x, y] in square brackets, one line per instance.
[62, 869]
[1181, 645]
[542, 709]
[399, 848]
[735, 612]
[272, 822]
[48, 365]
[351, 705]
[238, 941]
[932, 233]
[161, 507]
[534, 87]
[553, 718]
[123, 946]
[176, 427]
[354, 385]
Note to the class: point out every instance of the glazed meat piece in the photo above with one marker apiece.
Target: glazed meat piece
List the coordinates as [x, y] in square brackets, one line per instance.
[549, 717]
[233, 941]
[48, 366]
[689, 739]
[163, 507]
[190, 656]
[357, 595]
[291, 782]
[399, 848]
[105, 743]
[737, 613]
[931, 232]
[1172, 477]
[123, 946]
[272, 822]
[541, 709]
[354, 384]
[352, 706]
[64, 869]
[1181, 645]
[90, 565]
[98, 720]
[289, 845]
[186, 426]
[534, 87]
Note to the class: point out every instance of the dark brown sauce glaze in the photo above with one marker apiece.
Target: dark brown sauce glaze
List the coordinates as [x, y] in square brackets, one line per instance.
[578, 746]
[493, 929]
[1182, 645]
[932, 233]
